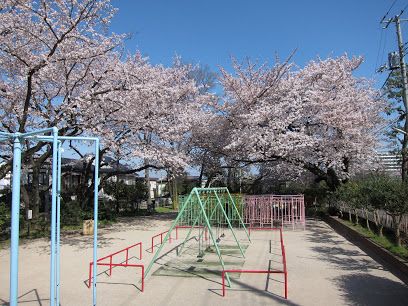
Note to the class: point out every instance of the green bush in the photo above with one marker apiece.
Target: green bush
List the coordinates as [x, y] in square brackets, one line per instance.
[71, 213]
[5, 218]
[374, 193]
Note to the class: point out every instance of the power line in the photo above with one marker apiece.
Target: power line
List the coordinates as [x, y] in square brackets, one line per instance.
[402, 11]
[386, 80]
[384, 45]
[378, 51]
[386, 14]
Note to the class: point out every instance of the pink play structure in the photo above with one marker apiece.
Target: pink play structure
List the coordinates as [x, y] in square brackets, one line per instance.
[274, 210]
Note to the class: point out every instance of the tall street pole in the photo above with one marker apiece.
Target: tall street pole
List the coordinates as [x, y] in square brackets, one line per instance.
[404, 97]
[404, 150]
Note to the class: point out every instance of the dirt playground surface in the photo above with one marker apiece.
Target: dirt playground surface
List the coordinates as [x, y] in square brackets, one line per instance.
[323, 269]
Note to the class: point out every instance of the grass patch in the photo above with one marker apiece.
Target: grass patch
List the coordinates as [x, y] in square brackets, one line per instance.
[386, 241]
[162, 210]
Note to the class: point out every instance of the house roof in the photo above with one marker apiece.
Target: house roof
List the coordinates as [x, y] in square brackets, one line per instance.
[109, 165]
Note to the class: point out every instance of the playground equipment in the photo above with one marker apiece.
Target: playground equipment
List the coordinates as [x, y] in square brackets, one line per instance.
[161, 239]
[232, 204]
[284, 271]
[111, 264]
[204, 209]
[46, 135]
[272, 210]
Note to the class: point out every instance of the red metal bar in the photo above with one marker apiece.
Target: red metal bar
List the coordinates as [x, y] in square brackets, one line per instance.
[253, 271]
[140, 250]
[263, 229]
[129, 247]
[110, 266]
[223, 283]
[110, 256]
[152, 244]
[90, 275]
[143, 278]
[126, 265]
[161, 238]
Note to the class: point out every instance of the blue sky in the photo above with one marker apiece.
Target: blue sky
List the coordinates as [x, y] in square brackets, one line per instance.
[210, 31]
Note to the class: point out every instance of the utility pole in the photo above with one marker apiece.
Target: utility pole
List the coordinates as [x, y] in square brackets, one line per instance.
[404, 97]
[404, 151]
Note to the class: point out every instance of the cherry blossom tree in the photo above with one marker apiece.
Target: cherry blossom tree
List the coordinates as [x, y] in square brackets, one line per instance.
[320, 118]
[61, 67]
[50, 52]
[151, 118]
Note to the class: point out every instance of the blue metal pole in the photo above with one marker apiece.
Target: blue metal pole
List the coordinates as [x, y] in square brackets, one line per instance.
[95, 240]
[60, 150]
[42, 131]
[15, 220]
[7, 135]
[53, 213]
[49, 138]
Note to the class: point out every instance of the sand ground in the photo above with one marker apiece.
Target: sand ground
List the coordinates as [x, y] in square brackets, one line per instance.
[323, 269]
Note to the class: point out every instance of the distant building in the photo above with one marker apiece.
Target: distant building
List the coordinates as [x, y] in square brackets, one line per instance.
[390, 163]
[5, 183]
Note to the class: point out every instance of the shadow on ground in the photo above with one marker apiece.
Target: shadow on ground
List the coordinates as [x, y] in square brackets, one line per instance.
[333, 249]
[369, 290]
[79, 242]
[31, 297]
[254, 290]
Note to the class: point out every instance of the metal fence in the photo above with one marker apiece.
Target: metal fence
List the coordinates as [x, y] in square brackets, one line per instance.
[384, 218]
[273, 210]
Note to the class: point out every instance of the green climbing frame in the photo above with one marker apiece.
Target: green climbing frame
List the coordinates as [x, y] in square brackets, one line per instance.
[208, 209]
[231, 203]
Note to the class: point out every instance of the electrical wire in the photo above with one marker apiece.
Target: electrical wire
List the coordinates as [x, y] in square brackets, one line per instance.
[378, 51]
[384, 46]
[385, 16]
[403, 10]
[386, 80]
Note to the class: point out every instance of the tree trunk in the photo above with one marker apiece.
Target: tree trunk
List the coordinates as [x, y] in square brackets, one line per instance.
[398, 236]
[396, 220]
[229, 179]
[367, 220]
[147, 180]
[356, 216]
[200, 178]
[350, 217]
[378, 223]
[25, 198]
[380, 230]
[332, 179]
[35, 191]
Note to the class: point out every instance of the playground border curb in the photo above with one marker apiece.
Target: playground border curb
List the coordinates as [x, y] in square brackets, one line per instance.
[395, 265]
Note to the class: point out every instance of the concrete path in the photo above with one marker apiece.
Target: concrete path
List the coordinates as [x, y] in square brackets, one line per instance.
[323, 269]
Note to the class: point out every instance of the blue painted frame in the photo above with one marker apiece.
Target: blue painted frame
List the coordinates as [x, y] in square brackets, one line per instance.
[55, 208]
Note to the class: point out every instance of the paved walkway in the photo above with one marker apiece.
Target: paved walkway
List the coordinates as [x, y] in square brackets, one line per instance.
[323, 269]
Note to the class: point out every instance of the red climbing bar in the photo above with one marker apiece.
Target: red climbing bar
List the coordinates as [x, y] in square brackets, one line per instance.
[264, 229]
[123, 250]
[110, 256]
[110, 266]
[284, 271]
[253, 271]
[125, 265]
[90, 274]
